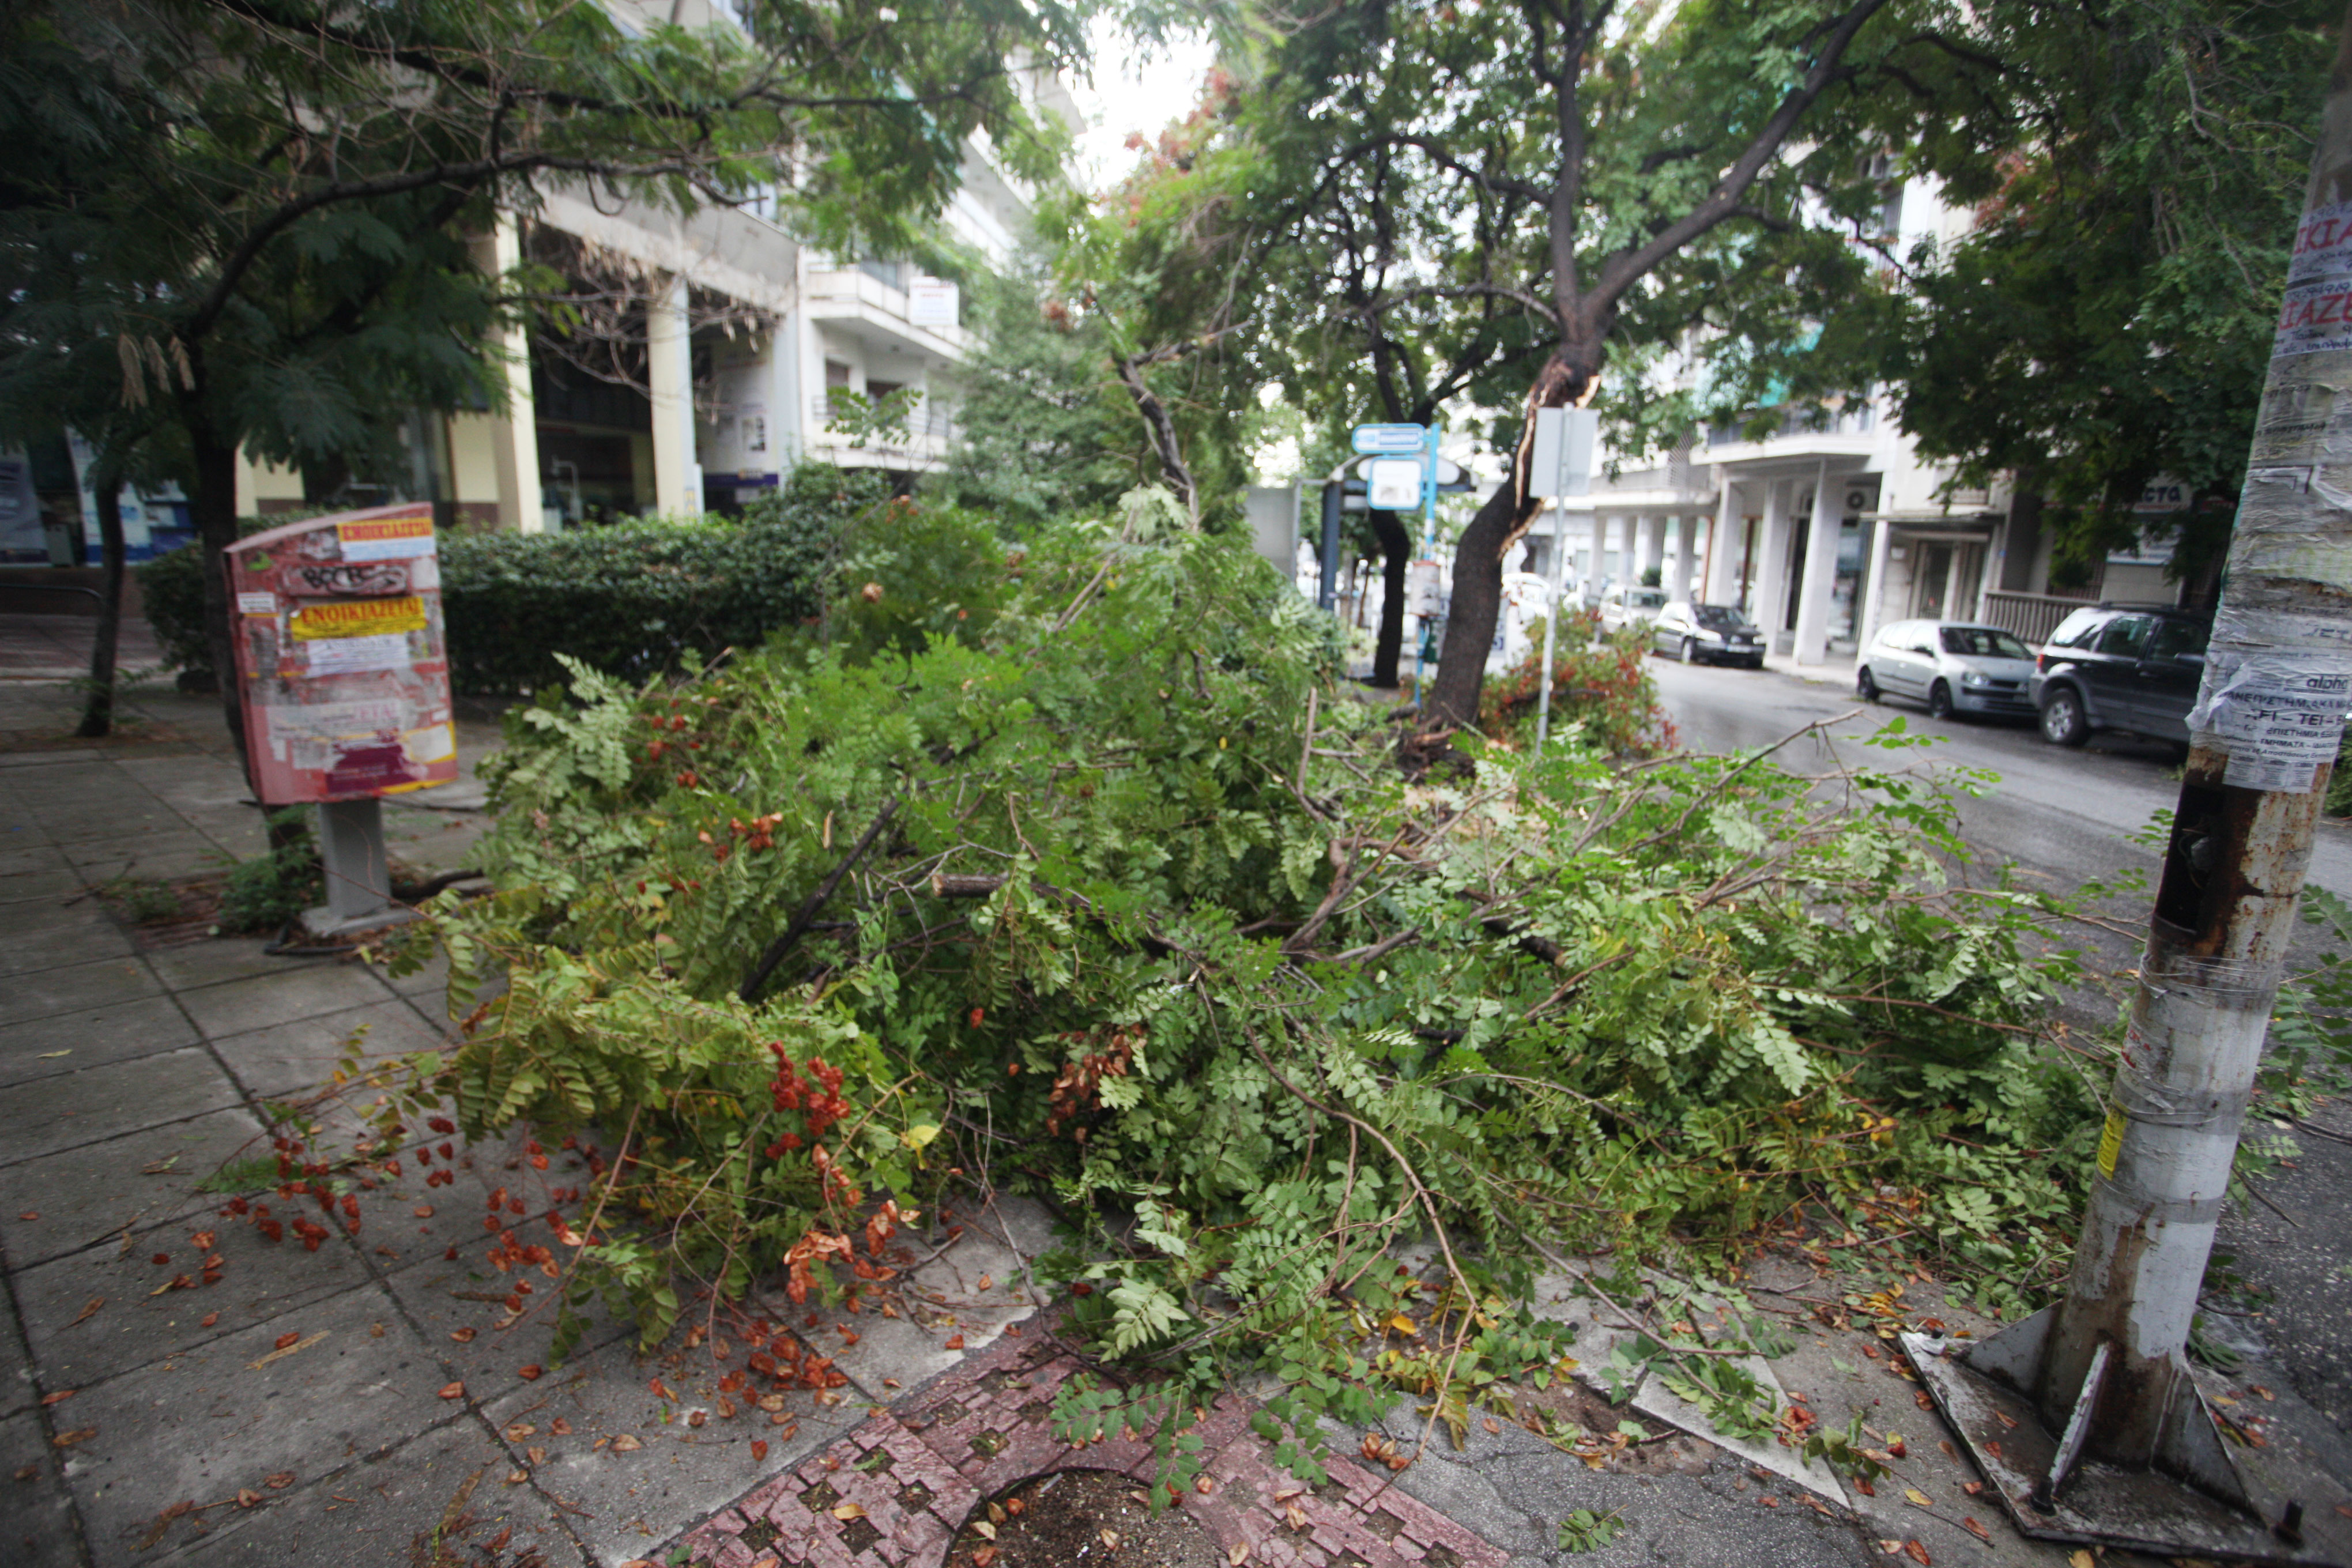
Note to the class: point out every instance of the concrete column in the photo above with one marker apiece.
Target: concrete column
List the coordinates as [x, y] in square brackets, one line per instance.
[1812, 644]
[1769, 585]
[514, 436]
[677, 477]
[1719, 578]
[1651, 551]
[1873, 603]
[1953, 608]
[1674, 574]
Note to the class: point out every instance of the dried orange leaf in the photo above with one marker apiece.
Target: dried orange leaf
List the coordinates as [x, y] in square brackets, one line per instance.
[980, 1527]
[1917, 1497]
[68, 1439]
[758, 1449]
[1917, 1553]
[626, 1443]
[453, 1391]
[848, 1510]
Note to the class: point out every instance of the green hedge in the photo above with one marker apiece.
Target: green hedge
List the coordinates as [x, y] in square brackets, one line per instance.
[628, 598]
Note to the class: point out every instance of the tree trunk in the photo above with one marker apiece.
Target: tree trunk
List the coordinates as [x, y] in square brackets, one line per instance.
[1452, 698]
[1396, 556]
[215, 505]
[98, 715]
[1451, 701]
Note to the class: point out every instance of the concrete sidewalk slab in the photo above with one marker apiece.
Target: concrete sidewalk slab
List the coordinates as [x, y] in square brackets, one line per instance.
[290, 1058]
[38, 1529]
[218, 1417]
[446, 1487]
[139, 1321]
[74, 1041]
[73, 987]
[48, 1114]
[67, 1202]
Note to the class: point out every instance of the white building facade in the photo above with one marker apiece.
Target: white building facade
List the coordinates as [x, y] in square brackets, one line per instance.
[750, 340]
[1830, 525]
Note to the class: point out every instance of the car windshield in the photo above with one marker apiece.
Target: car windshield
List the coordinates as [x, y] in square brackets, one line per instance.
[1646, 598]
[1721, 618]
[1983, 642]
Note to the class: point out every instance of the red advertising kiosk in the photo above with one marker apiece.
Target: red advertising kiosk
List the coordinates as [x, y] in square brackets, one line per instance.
[344, 681]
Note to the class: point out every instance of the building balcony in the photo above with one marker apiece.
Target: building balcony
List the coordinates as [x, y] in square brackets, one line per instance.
[868, 300]
[1805, 430]
[930, 430]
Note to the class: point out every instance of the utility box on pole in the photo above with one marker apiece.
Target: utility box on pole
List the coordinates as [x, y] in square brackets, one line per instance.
[2086, 1417]
[345, 681]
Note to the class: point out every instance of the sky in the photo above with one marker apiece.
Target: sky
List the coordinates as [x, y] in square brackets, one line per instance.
[1130, 93]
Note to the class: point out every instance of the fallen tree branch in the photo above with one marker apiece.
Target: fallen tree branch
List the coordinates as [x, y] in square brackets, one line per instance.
[797, 927]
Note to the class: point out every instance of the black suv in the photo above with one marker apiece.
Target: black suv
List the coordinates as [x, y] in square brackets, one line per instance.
[2133, 667]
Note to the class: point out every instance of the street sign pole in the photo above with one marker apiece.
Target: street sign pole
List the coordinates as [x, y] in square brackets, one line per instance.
[2084, 1418]
[1561, 465]
[1428, 546]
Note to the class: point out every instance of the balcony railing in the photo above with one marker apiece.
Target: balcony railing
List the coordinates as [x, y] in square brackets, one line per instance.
[928, 421]
[1856, 418]
[2032, 616]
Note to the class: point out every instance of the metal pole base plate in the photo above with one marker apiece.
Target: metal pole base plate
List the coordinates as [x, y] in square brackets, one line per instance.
[324, 924]
[2102, 1504]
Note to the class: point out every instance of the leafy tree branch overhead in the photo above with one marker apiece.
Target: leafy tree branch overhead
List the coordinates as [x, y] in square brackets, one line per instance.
[256, 213]
[1498, 200]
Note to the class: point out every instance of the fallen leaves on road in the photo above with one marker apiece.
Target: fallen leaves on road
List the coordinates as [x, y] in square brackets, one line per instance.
[1979, 1531]
[279, 1482]
[94, 1303]
[758, 1450]
[59, 1397]
[626, 1443]
[210, 1319]
[463, 1336]
[453, 1391]
[527, 1374]
[286, 1340]
[68, 1439]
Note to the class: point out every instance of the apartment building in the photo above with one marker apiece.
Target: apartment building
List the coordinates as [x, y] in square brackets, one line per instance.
[743, 341]
[1829, 525]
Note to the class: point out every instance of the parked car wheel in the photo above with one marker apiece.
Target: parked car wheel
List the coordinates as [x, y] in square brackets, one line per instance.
[1939, 701]
[2062, 723]
[1688, 652]
[1863, 686]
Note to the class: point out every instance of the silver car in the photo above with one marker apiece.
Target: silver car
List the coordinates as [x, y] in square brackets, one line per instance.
[1956, 667]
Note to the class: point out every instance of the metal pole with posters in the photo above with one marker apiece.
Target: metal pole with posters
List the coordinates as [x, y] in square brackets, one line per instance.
[2084, 1418]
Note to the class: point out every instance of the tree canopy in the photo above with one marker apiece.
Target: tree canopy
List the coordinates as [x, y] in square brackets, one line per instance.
[254, 215]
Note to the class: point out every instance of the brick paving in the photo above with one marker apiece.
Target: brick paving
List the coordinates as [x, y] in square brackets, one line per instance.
[917, 1472]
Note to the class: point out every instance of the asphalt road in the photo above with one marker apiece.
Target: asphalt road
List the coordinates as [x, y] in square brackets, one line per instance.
[2061, 813]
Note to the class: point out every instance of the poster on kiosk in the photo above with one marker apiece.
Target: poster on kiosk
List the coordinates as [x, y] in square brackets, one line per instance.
[340, 663]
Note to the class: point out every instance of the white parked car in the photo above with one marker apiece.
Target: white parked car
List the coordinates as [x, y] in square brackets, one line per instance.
[1622, 607]
[1954, 666]
[1526, 597]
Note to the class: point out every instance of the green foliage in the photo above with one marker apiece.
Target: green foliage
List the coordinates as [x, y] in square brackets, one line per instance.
[2136, 178]
[264, 893]
[634, 598]
[1600, 683]
[1042, 431]
[1115, 897]
[1585, 1531]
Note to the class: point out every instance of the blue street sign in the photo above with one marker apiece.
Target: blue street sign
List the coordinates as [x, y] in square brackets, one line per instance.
[1391, 439]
